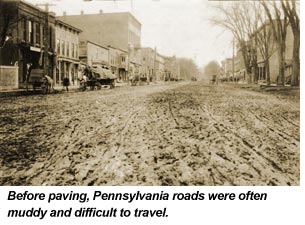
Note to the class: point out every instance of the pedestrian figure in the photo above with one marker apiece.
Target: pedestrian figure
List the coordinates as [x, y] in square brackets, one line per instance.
[80, 75]
[29, 67]
[83, 82]
[66, 83]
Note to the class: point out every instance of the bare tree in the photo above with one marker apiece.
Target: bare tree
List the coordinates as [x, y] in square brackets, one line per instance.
[264, 38]
[290, 10]
[8, 20]
[242, 21]
[279, 23]
[7, 15]
[188, 68]
[212, 68]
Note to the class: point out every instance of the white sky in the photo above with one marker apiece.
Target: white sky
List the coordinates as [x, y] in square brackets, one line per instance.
[175, 27]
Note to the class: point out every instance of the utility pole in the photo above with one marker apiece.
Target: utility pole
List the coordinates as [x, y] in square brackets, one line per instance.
[46, 37]
[233, 61]
[155, 57]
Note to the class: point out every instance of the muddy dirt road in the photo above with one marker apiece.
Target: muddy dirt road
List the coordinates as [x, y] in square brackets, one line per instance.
[162, 134]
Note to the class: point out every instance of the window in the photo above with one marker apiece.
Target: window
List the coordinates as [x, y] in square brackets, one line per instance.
[31, 32]
[24, 29]
[123, 59]
[76, 51]
[73, 50]
[58, 46]
[38, 33]
[68, 49]
[50, 37]
[62, 47]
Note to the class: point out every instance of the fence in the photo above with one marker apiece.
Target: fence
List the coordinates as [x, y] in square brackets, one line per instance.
[8, 77]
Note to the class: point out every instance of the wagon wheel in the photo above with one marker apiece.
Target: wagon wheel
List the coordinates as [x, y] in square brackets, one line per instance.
[112, 85]
[44, 89]
[98, 85]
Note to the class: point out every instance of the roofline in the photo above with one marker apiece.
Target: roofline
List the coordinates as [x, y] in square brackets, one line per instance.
[105, 13]
[134, 18]
[88, 41]
[67, 25]
[109, 46]
[34, 7]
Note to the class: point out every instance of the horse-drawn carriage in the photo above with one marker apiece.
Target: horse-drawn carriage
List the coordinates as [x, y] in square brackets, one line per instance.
[39, 80]
[214, 79]
[99, 76]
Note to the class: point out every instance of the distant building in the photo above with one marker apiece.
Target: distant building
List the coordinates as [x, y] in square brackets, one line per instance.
[148, 70]
[160, 68]
[67, 49]
[171, 68]
[30, 39]
[93, 54]
[118, 62]
[273, 51]
[227, 68]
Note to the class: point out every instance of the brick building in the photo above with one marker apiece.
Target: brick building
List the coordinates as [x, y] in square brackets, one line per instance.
[118, 62]
[148, 56]
[67, 49]
[30, 38]
[160, 75]
[119, 30]
[273, 51]
[91, 54]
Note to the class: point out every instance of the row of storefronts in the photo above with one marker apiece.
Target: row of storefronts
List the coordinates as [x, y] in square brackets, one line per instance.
[63, 46]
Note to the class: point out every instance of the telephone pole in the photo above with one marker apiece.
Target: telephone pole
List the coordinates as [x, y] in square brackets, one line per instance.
[46, 37]
[233, 61]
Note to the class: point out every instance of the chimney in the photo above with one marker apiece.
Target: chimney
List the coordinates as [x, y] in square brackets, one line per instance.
[101, 11]
[82, 12]
[64, 13]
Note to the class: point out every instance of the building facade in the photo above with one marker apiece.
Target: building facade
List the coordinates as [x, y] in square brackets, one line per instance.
[227, 69]
[67, 49]
[118, 62]
[148, 58]
[93, 54]
[30, 39]
[118, 30]
[160, 68]
[171, 68]
[273, 54]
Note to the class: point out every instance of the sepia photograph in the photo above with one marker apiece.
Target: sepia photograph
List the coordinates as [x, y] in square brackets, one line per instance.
[149, 93]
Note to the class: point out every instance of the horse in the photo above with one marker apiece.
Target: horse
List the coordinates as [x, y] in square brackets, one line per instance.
[134, 80]
[47, 84]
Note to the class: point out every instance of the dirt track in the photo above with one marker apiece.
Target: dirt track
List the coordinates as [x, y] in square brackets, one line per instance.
[161, 134]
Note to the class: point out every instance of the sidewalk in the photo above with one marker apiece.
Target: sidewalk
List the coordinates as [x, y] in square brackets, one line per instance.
[58, 89]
